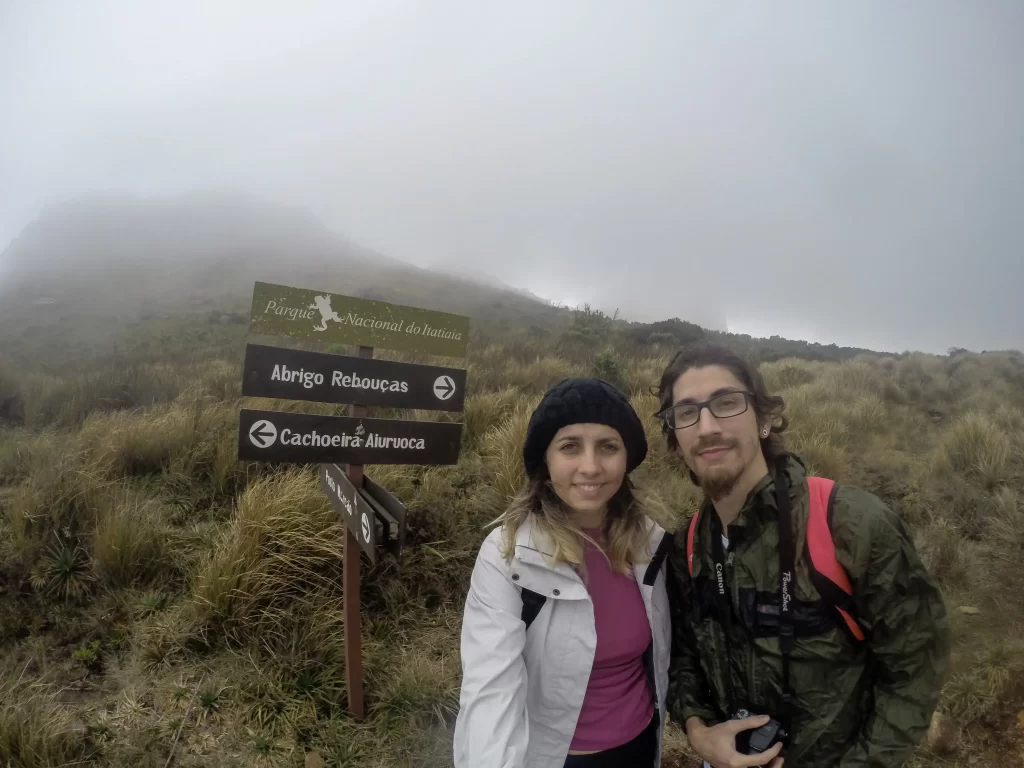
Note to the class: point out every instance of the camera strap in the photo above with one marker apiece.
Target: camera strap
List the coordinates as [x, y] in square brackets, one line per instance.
[787, 568]
[724, 604]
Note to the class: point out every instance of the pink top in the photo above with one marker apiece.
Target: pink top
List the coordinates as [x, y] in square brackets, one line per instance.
[618, 704]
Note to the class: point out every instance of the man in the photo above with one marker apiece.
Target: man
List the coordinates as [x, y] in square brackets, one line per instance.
[862, 667]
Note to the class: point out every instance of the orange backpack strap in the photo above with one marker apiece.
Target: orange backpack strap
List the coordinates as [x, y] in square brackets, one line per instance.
[828, 575]
[689, 541]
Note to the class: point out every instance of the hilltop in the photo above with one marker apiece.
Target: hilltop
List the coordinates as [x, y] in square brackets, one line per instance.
[94, 264]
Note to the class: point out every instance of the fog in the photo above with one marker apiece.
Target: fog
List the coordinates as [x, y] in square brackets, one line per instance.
[839, 172]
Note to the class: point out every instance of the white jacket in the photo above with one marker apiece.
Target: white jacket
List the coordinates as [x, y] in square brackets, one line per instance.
[522, 691]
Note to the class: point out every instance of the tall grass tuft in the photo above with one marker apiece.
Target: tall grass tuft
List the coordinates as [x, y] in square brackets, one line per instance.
[976, 447]
[484, 410]
[786, 374]
[641, 375]
[131, 545]
[868, 414]
[535, 377]
[502, 451]
[36, 731]
[1007, 522]
[282, 550]
[941, 546]
[138, 444]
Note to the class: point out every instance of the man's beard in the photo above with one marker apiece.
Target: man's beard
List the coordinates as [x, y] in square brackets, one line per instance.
[718, 482]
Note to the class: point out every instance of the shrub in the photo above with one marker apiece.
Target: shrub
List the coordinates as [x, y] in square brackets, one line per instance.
[63, 572]
[977, 448]
[608, 365]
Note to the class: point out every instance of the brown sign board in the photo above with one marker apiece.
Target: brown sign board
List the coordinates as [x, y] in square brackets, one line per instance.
[359, 516]
[391, 510]
[295, 374]
[305, 438]
[278, 310]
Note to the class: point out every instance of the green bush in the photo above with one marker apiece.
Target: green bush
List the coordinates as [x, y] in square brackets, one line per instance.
[608, 365]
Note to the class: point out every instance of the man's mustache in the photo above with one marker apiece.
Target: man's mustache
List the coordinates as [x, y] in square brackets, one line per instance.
[718, 442]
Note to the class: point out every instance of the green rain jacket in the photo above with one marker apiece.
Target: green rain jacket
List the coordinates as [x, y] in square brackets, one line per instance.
[855, 704]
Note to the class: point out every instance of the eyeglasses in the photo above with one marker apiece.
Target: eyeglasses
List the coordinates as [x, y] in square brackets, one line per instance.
[723, 406]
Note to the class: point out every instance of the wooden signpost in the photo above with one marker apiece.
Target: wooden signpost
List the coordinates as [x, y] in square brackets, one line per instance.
[374, 519]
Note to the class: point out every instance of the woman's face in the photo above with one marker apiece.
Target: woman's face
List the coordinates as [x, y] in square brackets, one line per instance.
[587, 463]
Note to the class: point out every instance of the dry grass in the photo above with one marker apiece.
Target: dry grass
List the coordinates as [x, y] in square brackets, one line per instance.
[1007, 523]
[281, 550]
[132, 543]
[125, 519]
[502, 452]
[976, 447]
[787, 374]
[36, 731]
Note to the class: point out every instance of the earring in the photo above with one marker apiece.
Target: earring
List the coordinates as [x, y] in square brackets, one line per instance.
[764, 433]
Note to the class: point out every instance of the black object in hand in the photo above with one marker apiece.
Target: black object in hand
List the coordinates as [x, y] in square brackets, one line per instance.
[757, 740]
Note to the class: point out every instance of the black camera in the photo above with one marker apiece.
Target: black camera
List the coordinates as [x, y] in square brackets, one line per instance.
[757, 740]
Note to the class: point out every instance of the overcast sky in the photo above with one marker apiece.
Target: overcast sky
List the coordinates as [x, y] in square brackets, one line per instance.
[848, 172]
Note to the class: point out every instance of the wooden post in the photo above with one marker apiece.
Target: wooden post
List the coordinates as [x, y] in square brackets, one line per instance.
[350, 588]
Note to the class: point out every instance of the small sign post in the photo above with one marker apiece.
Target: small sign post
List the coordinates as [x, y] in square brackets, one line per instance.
[374, 519]
[353, 507]
[350, 587]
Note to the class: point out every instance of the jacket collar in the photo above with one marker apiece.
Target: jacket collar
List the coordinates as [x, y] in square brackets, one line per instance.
[534, 546]
[760, 507]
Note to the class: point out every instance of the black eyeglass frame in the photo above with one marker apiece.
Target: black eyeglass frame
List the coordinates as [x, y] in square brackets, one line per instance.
[664, 415]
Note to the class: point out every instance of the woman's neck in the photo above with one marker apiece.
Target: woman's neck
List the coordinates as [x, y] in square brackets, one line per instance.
[592, 519]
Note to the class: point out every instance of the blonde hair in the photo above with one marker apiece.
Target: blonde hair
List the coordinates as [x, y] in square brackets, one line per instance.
[625, 528]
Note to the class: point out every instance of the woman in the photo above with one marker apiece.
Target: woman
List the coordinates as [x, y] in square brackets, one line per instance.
[583, 686]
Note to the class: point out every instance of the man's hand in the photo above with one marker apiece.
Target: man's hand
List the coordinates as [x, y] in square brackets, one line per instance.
[717, 743]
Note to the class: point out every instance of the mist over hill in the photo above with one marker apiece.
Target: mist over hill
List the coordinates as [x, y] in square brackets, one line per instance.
[87, 274]
[116, 256]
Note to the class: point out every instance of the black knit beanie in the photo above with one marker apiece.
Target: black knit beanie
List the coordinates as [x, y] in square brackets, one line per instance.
[583, 401]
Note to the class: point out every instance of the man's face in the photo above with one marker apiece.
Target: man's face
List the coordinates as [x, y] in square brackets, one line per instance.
[719, 451]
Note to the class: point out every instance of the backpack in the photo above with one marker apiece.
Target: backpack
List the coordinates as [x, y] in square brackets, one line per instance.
[827, 575]
[532, 603]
